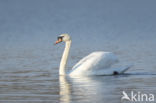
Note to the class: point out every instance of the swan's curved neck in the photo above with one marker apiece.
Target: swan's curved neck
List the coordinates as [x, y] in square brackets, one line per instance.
[64, 58]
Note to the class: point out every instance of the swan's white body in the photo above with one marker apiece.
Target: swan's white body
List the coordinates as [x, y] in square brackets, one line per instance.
[96, 63]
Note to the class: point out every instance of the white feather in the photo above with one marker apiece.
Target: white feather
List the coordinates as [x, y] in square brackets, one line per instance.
[96, 63]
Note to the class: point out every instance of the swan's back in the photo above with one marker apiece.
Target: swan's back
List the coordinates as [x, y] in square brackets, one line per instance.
[95, 61]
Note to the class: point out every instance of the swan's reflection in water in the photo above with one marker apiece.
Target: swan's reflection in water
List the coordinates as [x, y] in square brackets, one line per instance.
[65, 91]
[87, 90]
[38, 86]
[100, 89]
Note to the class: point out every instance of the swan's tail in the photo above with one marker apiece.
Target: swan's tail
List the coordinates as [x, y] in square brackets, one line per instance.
[125, 69]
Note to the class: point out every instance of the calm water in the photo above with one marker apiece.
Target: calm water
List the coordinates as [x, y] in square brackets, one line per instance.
[31, 75]
[29, 61]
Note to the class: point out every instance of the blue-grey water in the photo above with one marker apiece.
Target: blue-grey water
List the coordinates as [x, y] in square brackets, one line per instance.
[29, 61]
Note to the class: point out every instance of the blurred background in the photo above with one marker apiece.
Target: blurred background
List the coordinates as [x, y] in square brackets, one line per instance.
[126, 27]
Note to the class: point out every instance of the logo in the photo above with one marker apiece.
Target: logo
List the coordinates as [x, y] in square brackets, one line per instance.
[137, 97]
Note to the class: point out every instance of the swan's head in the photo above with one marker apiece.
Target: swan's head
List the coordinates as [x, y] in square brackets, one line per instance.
[63, 37]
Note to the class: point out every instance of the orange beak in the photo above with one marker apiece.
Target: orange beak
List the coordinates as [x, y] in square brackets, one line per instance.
[58, 41]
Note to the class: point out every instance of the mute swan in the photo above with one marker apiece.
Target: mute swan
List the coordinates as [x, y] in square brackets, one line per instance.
[96, 63]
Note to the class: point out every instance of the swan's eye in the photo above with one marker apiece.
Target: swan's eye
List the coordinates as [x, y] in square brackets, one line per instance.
[60, 38]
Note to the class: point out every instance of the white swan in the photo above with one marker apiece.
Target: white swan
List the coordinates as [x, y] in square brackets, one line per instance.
[96, 63]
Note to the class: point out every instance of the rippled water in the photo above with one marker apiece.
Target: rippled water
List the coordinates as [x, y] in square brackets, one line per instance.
[31, 75]
[43, 86]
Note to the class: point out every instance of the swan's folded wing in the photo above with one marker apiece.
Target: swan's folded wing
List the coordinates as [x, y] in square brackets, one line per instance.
[82, 61]
[94, 62]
